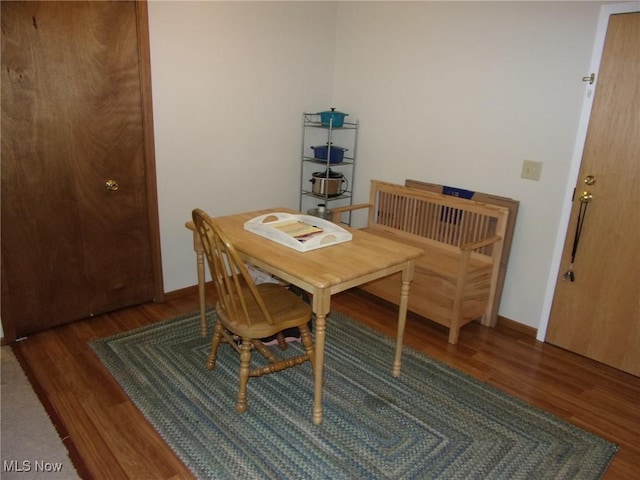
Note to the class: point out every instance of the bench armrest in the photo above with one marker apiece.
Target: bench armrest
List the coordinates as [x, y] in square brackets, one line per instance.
[481, 243]
[340, 210]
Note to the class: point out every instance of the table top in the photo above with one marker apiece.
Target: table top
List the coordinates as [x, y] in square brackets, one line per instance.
[336, 267]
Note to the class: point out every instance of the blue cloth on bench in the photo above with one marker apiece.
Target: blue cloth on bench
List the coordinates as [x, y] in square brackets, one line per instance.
[458, 192]
[455, 215]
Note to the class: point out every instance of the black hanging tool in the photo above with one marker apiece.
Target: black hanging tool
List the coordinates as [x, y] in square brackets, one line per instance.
[582, 212]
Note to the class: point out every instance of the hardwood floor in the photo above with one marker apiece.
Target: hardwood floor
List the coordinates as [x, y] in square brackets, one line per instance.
[109, 438]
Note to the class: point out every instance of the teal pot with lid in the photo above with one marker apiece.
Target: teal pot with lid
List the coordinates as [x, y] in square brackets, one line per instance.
[332, 118]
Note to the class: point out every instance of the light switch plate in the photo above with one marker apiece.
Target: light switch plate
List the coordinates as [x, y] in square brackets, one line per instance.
[531, 170]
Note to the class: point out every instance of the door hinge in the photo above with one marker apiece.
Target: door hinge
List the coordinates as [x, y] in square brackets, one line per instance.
[591, 78]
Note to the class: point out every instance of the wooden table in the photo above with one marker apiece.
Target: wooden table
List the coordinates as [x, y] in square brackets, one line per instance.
[321, 273]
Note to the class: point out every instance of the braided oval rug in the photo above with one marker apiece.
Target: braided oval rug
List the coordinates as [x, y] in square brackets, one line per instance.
[431, 422]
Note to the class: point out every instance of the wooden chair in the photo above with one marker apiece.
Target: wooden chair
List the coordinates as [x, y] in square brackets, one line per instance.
[248, 312]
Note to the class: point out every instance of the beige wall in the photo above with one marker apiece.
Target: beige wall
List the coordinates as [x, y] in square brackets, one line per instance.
[460, 94]
[230, 83]
[448, 92]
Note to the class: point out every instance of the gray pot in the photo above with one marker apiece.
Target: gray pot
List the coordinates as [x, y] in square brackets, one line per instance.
[328, 183]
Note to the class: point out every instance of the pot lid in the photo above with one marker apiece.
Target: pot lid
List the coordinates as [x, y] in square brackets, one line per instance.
[333, 111]
[330, 145]
[328, 173]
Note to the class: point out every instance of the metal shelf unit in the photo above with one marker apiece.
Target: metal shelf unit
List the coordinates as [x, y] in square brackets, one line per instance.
[313, 169]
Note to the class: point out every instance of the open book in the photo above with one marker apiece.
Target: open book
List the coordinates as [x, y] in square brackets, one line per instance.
[297, 229]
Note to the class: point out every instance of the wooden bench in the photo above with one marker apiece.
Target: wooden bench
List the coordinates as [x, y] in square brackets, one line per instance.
[455, 280]
[490, 199]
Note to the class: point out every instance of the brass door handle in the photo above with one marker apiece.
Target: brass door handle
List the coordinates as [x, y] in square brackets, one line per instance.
[111, 185]
[586, 197]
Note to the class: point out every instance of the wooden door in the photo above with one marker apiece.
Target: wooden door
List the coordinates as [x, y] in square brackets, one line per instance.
[598, 314]
[75, 115]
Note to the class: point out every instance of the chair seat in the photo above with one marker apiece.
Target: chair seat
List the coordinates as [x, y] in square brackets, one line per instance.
[286, 310]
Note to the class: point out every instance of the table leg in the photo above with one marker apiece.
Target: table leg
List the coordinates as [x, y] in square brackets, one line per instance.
[197, 247]
[202, 295]
[321, 305]
[407, 276]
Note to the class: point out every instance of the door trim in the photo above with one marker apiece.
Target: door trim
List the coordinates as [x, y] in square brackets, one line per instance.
[144, 58]
[603, 21]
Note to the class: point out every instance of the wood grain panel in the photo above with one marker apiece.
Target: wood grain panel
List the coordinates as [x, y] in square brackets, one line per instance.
[74, 116]
[598, 314]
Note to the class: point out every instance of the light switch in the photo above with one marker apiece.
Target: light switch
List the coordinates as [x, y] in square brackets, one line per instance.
[531, 170]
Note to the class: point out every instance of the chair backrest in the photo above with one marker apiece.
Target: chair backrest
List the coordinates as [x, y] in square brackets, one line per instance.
[238, 298]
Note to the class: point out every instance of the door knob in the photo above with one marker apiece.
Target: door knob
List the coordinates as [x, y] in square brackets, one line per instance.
[111, 185]
[586, 197]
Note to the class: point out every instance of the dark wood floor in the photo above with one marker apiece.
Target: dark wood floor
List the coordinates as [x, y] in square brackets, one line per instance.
[109, 438]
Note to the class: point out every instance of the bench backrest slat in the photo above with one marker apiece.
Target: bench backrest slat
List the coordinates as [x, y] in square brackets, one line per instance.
[443, 218]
